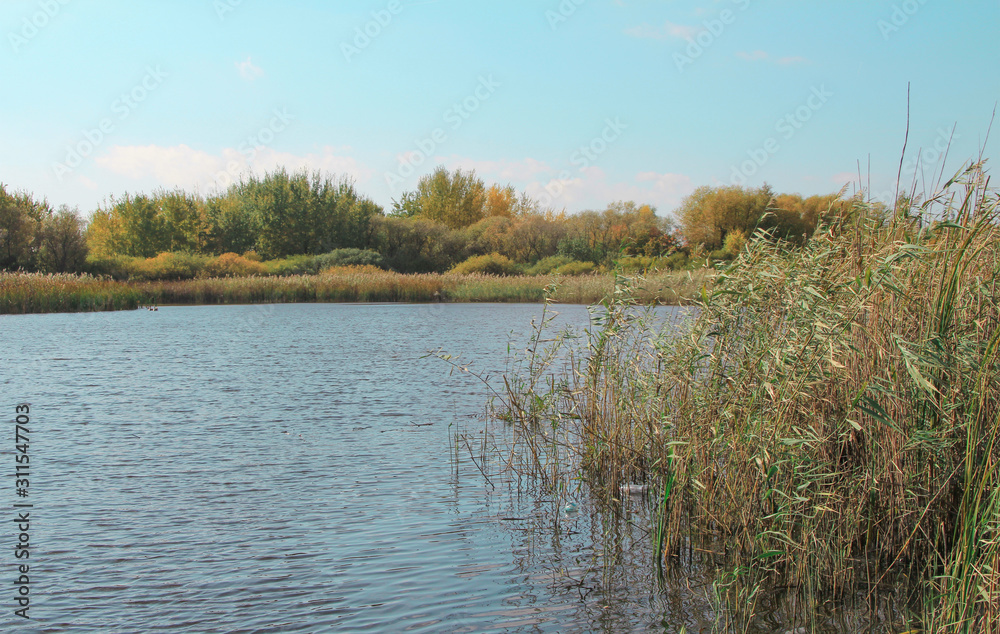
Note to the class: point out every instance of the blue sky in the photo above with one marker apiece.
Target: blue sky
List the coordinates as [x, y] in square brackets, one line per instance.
[578, 102]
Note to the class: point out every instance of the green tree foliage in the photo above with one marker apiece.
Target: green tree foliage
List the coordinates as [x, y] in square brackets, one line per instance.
[455, 199]
[62, 247]
[227, 225]
[301, 213]
[276, 215]
[34, 238]
[21, 219]
[416, 245]
[298, 221]
[145, 226]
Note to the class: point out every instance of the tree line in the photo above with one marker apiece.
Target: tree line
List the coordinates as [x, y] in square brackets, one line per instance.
[452, 217]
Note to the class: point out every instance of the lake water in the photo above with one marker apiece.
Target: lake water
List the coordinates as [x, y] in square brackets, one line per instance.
[289, 468]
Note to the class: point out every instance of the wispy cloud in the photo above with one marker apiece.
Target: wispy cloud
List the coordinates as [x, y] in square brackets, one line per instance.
[667, 31]
[503, 170]
[791, 61]
[187, 167]
[752, 57]
[248, 70]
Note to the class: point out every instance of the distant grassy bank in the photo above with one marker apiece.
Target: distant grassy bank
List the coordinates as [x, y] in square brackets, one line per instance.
[37, 293]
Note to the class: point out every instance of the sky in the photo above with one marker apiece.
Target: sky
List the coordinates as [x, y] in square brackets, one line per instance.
[580, 103]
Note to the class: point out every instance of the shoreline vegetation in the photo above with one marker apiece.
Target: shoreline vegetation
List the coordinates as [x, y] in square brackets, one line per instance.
[823, 438]
[23, 293]
[306, 236]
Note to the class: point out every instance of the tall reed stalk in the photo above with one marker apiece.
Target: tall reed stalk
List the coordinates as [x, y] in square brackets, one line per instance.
[825, 429]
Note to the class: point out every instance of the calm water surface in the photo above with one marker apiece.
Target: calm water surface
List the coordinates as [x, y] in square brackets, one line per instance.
[288, 468]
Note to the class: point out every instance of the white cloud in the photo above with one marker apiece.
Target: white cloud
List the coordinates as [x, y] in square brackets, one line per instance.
[591, 188]
[752, 57]
[500, 171]
[86, 182]
[843, 178]
[192, 169]
[667, 31]
[248, 70]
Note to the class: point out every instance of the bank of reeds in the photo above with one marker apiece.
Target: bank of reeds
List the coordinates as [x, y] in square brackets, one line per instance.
[21, 293]
[825, 429]
[40, 293]
[370, 284]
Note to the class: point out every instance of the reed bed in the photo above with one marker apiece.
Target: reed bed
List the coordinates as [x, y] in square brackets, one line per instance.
[69, 293]
[370, 284]
[62, 293]
[824, 430]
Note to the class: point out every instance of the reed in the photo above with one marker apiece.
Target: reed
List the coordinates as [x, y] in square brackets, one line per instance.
[63, 293]
[371, 284]
[825, 429]
[21, 292]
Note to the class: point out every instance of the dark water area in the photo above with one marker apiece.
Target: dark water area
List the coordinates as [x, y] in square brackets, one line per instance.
[288, 468]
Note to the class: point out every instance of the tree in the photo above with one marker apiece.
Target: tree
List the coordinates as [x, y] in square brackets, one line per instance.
[623, 227]
[227, 226]
[21, 218]
[417, 245]
[709, 213]
[457, 200]
[63, 248]
[282, 214]
[181, 216]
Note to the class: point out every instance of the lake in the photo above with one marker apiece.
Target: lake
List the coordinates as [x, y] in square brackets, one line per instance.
[280, 468]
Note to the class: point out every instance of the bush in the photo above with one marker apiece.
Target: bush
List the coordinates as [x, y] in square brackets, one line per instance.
[294, 265]
[676, 261]
[735, 241]
[233, 265]
[575, 268]
[119, 267]
[491, 264]
[349, 257]
[578, 249]
[169, 266]
[720, 254]
[548, 265]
